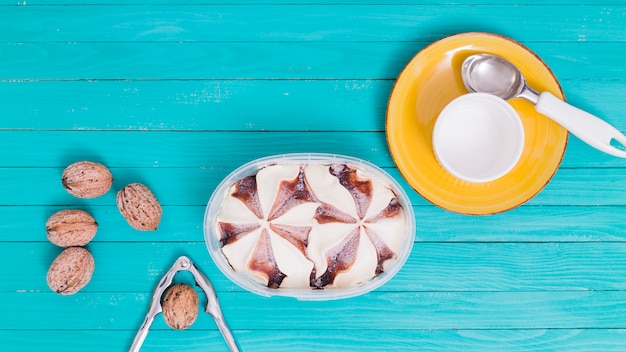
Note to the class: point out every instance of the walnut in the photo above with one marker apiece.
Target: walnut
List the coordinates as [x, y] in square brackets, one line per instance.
[180, 306]
[70, 271]
[71, 228]
[139, 206]
[86, 179]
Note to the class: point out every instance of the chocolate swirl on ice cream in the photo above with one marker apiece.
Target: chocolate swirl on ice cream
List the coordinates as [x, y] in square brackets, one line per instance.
[246, 191]
[313, 225]
[291, 193]
[360, 189]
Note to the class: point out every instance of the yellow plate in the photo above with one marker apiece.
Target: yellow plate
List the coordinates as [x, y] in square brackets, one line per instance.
[428, 83]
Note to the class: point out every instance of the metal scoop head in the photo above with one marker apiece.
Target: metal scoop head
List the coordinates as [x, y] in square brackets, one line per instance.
[494, 75]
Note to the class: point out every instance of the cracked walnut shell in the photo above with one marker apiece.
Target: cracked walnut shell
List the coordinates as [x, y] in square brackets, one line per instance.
[87, 179]
[180, 306]
[71, 228]
[139, 206]
[70, 271]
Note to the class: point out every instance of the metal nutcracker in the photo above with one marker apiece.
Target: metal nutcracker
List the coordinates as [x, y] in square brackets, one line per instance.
[212, 306]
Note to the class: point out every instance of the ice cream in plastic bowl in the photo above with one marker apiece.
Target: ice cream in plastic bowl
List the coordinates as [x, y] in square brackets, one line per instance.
[309, 226]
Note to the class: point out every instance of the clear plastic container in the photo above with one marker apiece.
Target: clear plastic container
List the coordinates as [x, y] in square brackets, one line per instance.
[211, 231]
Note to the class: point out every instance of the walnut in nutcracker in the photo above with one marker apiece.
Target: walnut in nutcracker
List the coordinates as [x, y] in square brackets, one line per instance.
[71, 228]
[87, 179]
[180, 306]
[139, 206]
[70, 271]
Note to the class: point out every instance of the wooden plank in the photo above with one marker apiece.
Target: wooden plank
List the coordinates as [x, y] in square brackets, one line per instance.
[218, 149]
[432, 267]
[193, 186]
[168, 94]
[584, 187]
[526, 224]
[589, 96]
[202, 150]
[303, 22]
[27, 224]
[164, 105]
[336, 105]
[304, 2]
[204, 60]
[70, 60]
[336, 340]
[245, 311]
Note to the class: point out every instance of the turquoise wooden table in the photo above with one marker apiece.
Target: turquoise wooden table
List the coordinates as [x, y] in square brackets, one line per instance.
[176, 96]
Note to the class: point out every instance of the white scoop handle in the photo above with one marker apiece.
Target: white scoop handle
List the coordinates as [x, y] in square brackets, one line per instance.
[590, 129]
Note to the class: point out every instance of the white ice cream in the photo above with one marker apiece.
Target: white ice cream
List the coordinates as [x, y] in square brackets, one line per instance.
[322, 238]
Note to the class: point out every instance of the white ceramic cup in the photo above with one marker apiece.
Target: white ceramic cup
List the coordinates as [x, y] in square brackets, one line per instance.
[478, 137]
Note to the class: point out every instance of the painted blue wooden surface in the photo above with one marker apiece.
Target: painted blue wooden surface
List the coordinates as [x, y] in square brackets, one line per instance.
[178, 95]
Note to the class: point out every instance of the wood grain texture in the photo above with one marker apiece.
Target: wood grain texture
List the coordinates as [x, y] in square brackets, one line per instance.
[398, 311]
[303, 22]
[222, 149]
[166, 105]
[526, 224]
[194, 186]
[197, 149]
[90, 61]
[162, 105]
[303, 2]
[349, 340]
[176, 95]
[432, 267]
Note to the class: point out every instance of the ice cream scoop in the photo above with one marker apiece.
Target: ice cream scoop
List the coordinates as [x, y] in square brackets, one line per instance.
[492, 74]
